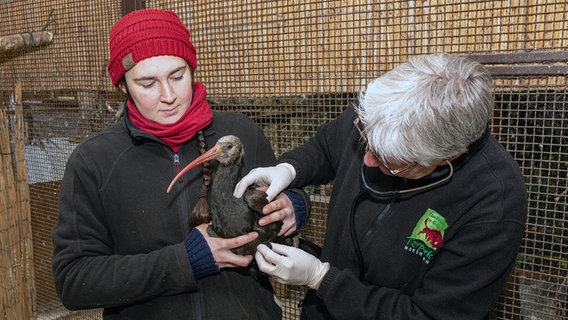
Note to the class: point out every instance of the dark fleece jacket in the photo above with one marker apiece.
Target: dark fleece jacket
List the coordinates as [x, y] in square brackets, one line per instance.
[444, 253]
[119, 240]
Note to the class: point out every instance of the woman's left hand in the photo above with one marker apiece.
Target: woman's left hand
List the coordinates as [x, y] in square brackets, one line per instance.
[280, 208]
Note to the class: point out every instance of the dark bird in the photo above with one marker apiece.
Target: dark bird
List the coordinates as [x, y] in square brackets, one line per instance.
[230, 216]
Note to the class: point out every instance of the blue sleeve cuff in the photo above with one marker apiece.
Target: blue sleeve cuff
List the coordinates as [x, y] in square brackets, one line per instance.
[200, 256]
[300, 208]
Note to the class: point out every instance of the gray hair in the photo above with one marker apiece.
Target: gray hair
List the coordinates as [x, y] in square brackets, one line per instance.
[427, 109]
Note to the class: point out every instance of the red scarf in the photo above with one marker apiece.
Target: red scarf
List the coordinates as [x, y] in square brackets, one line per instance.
[195, 118]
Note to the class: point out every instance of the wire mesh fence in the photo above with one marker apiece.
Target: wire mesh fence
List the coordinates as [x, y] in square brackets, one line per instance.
[291, 66]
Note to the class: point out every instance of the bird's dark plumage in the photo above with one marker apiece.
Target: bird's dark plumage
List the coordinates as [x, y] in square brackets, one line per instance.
[230, 216]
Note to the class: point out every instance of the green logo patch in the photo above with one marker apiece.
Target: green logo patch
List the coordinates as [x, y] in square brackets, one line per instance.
[428, 235]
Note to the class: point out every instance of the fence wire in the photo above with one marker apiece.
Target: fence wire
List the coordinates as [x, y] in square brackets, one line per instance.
[292, 66]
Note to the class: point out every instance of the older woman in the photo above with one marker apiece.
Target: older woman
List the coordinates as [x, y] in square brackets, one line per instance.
[427, 210]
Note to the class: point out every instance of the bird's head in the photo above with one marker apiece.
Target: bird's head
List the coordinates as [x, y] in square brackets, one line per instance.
[228, 150]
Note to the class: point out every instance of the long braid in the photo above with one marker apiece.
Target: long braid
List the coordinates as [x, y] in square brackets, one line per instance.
[200, 213]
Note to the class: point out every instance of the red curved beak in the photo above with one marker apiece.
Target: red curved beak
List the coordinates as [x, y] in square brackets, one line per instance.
[211, 154]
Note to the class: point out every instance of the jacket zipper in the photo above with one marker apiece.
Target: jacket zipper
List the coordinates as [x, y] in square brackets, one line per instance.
[358, 252]
[183, 197]
[381, 215]
[376, 221]
[176, 162]
[184, 206]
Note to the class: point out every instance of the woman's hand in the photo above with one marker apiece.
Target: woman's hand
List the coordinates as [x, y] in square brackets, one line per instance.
[221, 248]
[280, 208]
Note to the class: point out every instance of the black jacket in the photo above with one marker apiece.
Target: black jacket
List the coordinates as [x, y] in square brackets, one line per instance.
[119, 240]
[444, 253]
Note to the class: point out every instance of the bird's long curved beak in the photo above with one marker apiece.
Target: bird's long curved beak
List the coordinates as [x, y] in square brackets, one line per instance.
[211, 154]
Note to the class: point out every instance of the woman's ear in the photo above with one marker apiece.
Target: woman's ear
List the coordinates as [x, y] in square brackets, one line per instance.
[122, 87]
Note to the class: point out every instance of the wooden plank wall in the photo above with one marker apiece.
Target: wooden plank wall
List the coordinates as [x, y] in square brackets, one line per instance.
[281, 47]
[250, 50]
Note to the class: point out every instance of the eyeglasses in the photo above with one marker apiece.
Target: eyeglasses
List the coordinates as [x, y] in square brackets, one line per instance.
[394, 172]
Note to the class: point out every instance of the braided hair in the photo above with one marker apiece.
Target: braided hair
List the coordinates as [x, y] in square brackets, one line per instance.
[200, 213]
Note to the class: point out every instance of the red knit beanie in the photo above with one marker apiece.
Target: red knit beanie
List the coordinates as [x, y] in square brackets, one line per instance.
[144, 34]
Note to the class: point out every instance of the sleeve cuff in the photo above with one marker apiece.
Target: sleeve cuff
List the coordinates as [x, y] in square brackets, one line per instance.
[325, 283]
[200, 256]
[300, 208]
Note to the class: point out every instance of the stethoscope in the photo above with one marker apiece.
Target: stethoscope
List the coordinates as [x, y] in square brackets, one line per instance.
[385, 195]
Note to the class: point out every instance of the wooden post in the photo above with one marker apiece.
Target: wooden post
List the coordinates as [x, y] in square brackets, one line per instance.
[132, 5]
[17, 297]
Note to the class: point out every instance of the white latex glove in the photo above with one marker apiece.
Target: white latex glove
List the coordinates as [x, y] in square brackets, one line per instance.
[276, 178]
[290, 265]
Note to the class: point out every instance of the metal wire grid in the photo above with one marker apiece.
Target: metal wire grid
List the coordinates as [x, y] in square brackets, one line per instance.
[532, 122]
[56, 80]
[291, 67]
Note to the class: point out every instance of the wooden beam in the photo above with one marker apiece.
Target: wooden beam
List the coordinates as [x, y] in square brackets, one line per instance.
[30, 39]
[132, 5]
[524, 63]
[529, 70]
[521, 57]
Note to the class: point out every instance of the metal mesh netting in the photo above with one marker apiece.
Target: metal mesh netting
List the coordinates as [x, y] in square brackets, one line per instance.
[291, 66]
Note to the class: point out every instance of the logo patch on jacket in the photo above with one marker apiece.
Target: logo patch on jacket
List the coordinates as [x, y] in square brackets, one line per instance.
[427, 236]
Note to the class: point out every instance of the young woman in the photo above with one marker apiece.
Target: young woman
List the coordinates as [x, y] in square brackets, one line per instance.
[121, 242]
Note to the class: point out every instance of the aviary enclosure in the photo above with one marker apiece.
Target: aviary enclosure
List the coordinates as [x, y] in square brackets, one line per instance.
[290, 65]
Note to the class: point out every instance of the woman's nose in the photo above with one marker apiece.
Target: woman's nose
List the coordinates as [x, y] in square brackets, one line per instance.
[168, 93]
